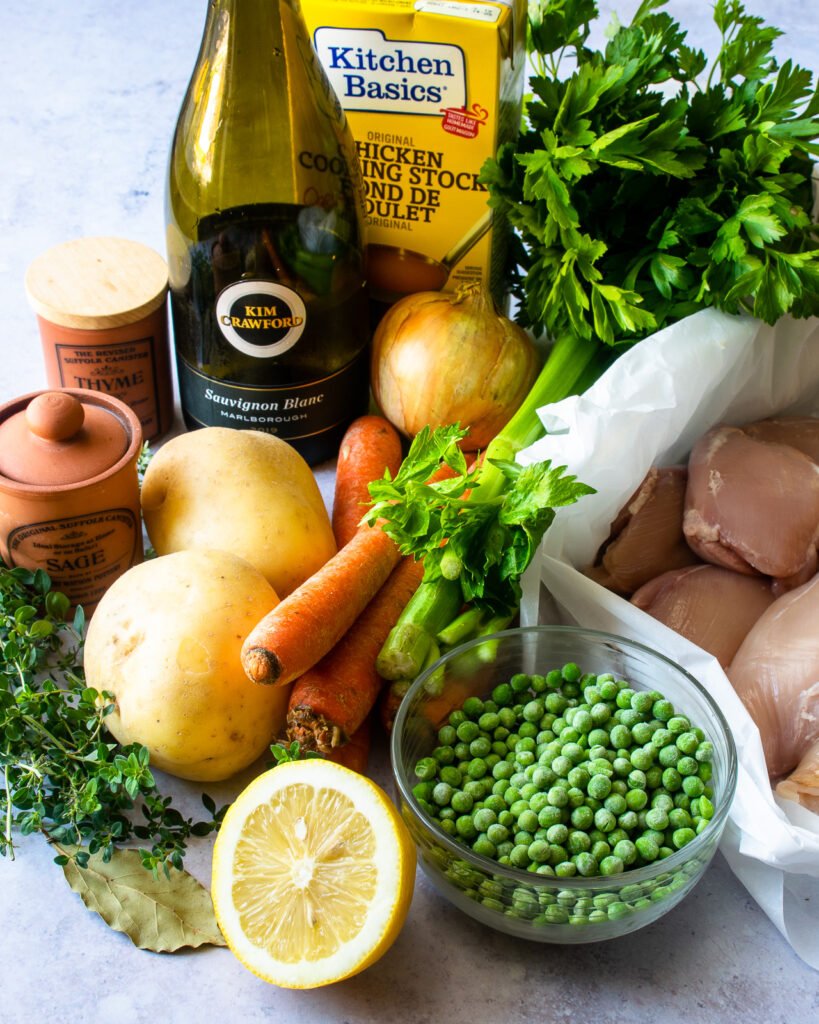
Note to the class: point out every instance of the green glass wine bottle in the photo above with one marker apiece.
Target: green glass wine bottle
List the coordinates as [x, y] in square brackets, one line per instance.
[264, 234]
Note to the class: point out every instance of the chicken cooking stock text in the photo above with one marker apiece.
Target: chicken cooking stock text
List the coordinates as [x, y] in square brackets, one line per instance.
[403, 184]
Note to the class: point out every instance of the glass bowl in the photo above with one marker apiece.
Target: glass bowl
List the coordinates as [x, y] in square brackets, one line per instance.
[521, 902]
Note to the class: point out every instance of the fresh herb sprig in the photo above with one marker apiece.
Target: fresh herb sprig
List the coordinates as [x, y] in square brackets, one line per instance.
[63, 775]
[647, 185]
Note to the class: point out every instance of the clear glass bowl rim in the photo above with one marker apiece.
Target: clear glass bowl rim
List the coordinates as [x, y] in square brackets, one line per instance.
[517, 876]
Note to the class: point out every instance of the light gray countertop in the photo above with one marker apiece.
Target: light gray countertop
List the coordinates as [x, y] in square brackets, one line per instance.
[91, 92]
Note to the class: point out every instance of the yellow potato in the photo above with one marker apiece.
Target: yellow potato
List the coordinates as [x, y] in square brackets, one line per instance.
[166, 639]
[242, 491]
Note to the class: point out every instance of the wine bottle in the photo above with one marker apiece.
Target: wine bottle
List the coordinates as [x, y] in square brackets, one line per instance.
[264, 233]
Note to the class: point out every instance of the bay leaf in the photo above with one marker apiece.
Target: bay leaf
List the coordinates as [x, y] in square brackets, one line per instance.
[159, 914]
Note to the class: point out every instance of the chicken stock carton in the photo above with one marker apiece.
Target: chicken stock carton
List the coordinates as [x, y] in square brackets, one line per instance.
[431, 88]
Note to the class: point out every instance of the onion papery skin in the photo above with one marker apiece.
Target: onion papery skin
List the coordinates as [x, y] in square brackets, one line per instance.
[441, 358]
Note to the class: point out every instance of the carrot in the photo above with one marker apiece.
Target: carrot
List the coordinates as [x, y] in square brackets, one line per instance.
[370, 446]
[354, 754]
[311, 620]
[391, 698]
[330, 701]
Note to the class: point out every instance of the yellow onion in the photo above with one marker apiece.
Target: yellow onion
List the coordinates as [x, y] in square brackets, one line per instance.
[441, 358]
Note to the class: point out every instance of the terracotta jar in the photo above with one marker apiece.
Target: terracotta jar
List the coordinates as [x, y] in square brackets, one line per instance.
[101, 305]
[69, 491]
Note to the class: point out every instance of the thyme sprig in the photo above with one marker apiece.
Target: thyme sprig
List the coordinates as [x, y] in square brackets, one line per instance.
[62, 774]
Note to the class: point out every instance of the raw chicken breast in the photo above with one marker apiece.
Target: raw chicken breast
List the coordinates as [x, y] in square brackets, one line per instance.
[646, 537]
[753, 506]
[776, 674]
[800, 432]
[712, 607]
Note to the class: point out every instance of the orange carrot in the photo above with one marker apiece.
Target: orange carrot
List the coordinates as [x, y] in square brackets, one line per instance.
[330, 701]
[354, 754]
[370, 445]
[311, 620]
[390, 701]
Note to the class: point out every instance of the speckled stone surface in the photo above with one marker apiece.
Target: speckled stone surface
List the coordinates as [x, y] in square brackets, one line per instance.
[90, 94]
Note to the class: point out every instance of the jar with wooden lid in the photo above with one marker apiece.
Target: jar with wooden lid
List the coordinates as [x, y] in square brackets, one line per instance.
[101, 305]
[69, 489]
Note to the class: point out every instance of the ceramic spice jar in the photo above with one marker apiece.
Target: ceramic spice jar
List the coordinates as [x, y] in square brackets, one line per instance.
[69, 490]
[101, 305]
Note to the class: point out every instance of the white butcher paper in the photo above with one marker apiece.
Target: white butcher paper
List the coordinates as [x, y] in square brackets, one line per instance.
[648, 409]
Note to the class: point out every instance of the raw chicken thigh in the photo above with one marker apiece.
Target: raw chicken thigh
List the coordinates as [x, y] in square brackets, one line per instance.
[646, 537]
[710, 606]
[753, 506]
[800, 432]
[776, 674]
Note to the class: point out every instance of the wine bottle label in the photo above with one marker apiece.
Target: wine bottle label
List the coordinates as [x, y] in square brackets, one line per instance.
[260, 318]
[292, 412]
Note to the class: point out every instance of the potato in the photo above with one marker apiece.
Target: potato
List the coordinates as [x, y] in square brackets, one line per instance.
[166, 639]
[242, 491]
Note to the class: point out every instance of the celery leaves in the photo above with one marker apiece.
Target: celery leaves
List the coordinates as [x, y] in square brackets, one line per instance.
[485, 541]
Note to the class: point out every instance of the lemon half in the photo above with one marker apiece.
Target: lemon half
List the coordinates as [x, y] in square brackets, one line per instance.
[313, 873]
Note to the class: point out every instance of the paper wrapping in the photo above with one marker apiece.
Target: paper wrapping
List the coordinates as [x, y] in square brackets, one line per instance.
[648, 409]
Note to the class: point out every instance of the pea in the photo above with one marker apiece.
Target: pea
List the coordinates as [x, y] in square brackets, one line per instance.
[604, 820]
[682, 836]
[615, 803]
[447, 735]
[662, 710]
[426, 768]
[467, 731]
[484, 848]
[477, 768]
[450, 774]
[442, 794]
[461, 802]
[693, 786]
[543, 777]
[625, 850]
[476, 789]
[669, 756]
[549, 815]
[705, 751]
[472, 707]
[678, 724]
[461, 751]
[456, 717]
[641, 759]
[647, 847]
[585, 864]
[465, 827]
[528, 821]
[642, 702]
[502, 694]
[672, 780]
[636, 799]
[423, 790]
[578, 842]
[582, 817]
[657, 818]
[688, 766]
[497, 834]
[599, 786]
[641, 732]
[611, 865]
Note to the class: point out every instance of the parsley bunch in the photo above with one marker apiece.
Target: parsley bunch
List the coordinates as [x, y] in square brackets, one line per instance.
[647, 185]
[62, 773]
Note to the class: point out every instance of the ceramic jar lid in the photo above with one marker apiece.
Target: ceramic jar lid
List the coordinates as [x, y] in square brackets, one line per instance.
[60, 438]
[97, 283]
